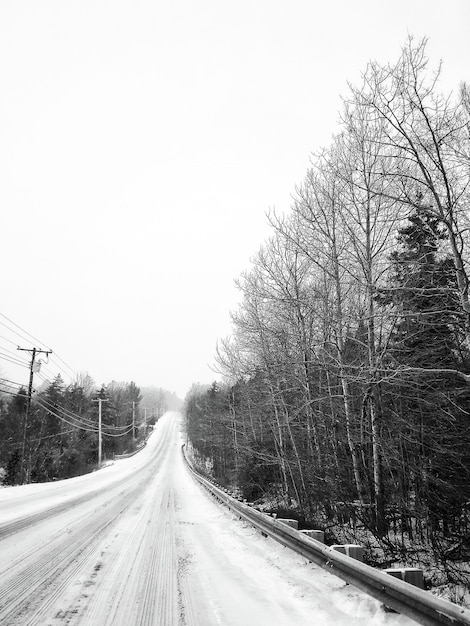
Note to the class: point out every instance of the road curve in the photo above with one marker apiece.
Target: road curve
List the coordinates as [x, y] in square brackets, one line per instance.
[140, 543]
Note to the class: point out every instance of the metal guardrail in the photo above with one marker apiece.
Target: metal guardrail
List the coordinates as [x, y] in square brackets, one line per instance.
[403, 597]
[126, 455]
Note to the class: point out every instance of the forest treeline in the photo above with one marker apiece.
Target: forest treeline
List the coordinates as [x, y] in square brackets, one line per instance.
[347, 373]
[57, 436]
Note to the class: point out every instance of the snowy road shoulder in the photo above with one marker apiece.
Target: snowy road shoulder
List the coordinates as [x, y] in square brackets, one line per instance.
[251, 579]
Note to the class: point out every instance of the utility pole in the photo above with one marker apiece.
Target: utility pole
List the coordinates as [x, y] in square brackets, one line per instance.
[33, 367]
[100, 438]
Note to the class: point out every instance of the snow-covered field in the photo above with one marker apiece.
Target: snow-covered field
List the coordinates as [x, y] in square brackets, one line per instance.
[141, 543]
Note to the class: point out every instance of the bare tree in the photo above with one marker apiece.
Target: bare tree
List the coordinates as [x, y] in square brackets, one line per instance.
[426, 135]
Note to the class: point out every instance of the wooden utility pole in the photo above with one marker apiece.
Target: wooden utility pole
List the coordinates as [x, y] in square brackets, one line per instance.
[33, 367]
[100, 438]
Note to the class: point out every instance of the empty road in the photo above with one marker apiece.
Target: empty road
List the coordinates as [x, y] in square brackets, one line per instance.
[140, 543]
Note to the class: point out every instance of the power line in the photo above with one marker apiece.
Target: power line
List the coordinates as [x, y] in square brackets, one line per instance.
[22, 330]
[52, 407]
[67, 421]
[79, 421]
[14, 355]
[49, 406]
[81, 418]
[64, 432]
[12, 360]
[26, 336]
[11, 393]
[66, 365]
[9, 340]
[10, 383]
[94, 430]
[36, 340]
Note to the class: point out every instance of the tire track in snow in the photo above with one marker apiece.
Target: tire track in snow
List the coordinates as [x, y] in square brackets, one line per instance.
[159, 604]
[31, 584]
[139, 583]
[57, 561]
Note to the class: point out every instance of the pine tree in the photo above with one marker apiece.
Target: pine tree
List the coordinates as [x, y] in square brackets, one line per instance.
[429, 406]
[423, 289]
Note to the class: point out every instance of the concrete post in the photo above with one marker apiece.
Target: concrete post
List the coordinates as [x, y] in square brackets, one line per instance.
[319, 535]
[412, 575]
[293, 523]
[353, 550]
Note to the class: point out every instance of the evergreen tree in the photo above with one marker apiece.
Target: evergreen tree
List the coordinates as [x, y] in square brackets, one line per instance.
[11, 429]
[429, 406]
[423, 290]
[46, 443]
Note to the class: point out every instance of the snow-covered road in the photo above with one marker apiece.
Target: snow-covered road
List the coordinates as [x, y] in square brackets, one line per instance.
[140, 543]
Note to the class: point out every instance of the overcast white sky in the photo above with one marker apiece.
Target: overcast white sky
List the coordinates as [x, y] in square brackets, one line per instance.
[142, 143]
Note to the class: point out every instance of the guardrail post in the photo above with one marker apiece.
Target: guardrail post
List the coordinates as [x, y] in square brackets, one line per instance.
[293, 523]
[353, 550]
[412, 575]
[319, 535]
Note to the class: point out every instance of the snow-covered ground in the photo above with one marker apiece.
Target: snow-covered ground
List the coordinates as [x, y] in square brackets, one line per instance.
[141, 543]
